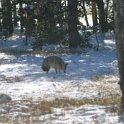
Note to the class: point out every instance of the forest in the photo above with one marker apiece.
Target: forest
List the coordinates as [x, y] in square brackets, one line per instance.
[56, 21]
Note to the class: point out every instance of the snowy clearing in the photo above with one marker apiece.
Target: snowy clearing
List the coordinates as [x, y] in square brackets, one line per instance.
[91, 74]
[21, 76]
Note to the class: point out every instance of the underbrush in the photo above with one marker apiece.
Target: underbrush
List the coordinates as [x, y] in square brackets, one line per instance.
[40, 52]
[11, 51]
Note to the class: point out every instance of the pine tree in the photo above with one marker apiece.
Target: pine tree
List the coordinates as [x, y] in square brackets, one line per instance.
[101, 13]
[15, 17]
[74, 37]
[94, 13]
[7, 23]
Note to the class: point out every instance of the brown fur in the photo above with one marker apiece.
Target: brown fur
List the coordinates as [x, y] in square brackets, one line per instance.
[54, 62]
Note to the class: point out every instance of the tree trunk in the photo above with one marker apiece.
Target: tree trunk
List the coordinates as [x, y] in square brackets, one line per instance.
[106, 11]
[101, 11]
[9, 17]
[7, 22]
[21, 17]
[51, 21]
[74, 37]
[85, 13]
[119, 36]
[14, 13]
[94, 13]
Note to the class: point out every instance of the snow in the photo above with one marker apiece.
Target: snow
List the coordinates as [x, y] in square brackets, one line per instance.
[83, 115]
[90, 74]
[34, 82]
[84, 21]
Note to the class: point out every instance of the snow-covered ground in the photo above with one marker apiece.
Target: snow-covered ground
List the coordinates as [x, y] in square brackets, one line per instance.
[21, 75]
[90, 74]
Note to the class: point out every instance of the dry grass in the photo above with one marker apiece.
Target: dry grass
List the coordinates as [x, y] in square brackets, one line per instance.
[98, 78]
[44, 106]
[11, 79]
[32, 110]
